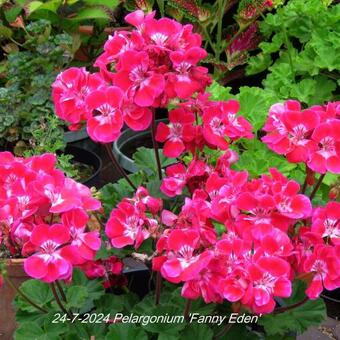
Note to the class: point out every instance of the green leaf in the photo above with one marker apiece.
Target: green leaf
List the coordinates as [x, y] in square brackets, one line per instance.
[32, 7]
[255, 104]
[164, 327]
[257, 159]
[145, 159]
[31, 331]
[107, 3]
[111, 194]
[121, 331]
[303, 90]
[5, 32]
[110, 303]
[197, 332]
[258, 63]
[91, 13]
[219, 92]
[313, 312]
[38, 291]
[76, 296]
[94, 288]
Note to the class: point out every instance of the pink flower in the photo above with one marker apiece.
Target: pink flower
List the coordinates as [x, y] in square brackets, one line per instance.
[142, 84]
[220, 122]
[175, 134]
[175, 181]
[84, 244]
[69, 92]
[269, 278]
[93, 269]
[289, 130]
[48, 264]
[161, 34]
[325, 265]
[33, 192]
[187, 78]
[125, 226]
[326, 222]
[183, 262]
[326, 156]
[137, 118]
[106, 122]
[206, 284]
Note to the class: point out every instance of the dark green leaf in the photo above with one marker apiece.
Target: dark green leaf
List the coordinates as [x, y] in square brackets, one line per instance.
[121, 331]
[76, 296]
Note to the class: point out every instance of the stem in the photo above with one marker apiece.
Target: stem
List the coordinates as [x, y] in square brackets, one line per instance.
[221, 5]
[295, 305]
[187, 309]
[158, 288]
[24, 296]
[155, 144]
[288, 45]
[317, 186]
[55, 294]
[304, 187]
[206, 33]
[114, 161]
[61, 291]
[258, 10]
[224, 331]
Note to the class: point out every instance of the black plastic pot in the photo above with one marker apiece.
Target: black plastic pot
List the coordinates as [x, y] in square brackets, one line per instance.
[89, 158]
[138, 275]
[332, 301]
[128, 143]
[75, 136]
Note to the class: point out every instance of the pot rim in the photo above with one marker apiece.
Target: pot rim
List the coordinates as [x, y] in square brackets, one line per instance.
[94, 155]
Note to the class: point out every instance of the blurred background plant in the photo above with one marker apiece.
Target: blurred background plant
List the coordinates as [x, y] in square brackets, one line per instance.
[229, 28]
[88, 21]
[32, 57]
[300, 54]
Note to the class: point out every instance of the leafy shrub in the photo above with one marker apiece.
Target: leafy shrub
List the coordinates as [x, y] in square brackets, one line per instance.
[301, 51]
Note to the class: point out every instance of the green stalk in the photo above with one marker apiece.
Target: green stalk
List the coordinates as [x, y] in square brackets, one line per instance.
[155, 144]
[59, 303]
[23, 295]
[317, 186]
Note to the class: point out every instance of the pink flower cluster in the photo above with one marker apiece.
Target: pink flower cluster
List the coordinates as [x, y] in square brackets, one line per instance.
[111, 269]
[311, 136]
[233, 236]
[139, 70]
[219, 124]
[134, 220]
[43, 216]
[318, 249]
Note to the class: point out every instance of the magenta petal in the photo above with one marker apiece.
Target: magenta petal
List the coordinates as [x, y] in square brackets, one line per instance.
[35, 266]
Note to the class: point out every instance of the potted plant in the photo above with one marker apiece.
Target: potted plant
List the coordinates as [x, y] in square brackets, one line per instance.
[27, 122]
[40, 199]
[230, 252]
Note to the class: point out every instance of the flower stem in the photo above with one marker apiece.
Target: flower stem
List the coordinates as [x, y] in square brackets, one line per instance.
[295, 305]
[155, 144]
[24, 296]
[158, 288]
[304, 187]
[317, 186]
[224, 331]
[61, 306]
[187, 308]
[114, 161]
[61, 291]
